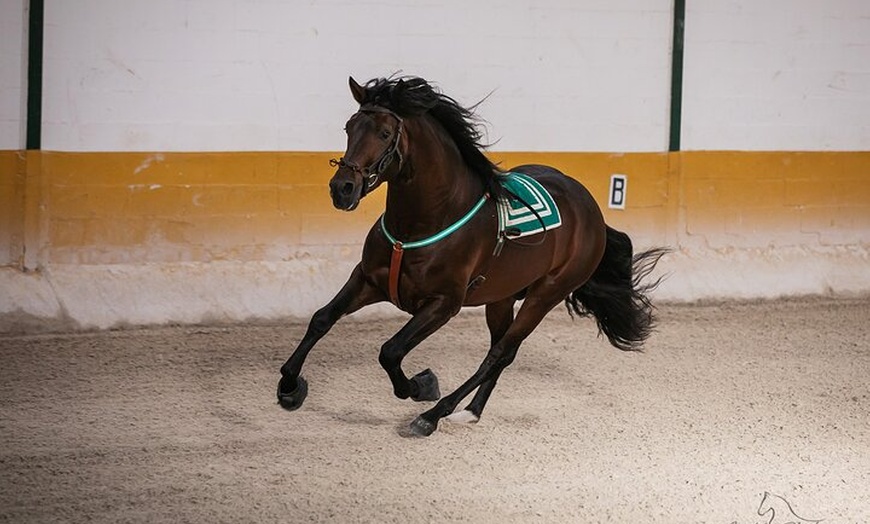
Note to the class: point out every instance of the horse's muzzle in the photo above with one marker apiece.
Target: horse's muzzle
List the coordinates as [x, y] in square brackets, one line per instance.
[345, 193]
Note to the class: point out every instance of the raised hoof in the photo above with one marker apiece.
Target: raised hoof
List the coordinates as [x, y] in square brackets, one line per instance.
[427, 386]
[421, 427]
[291, 400]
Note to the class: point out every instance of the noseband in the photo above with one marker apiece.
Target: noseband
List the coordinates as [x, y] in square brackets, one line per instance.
[372, 173]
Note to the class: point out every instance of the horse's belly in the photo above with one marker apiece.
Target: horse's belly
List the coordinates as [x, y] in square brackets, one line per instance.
[507, 276]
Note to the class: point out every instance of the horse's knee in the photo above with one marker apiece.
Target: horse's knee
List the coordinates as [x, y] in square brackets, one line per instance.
[390, 356]
[320, 323]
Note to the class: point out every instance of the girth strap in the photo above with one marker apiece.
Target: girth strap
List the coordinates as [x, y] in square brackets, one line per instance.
[395, 269]
[399, 247]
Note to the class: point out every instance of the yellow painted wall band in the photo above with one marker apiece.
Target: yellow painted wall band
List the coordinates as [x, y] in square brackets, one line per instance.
[106, 208]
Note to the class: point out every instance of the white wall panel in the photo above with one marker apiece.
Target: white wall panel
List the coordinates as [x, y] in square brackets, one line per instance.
[176, 75]
[13, 74]
[269, 75]
[777, 75]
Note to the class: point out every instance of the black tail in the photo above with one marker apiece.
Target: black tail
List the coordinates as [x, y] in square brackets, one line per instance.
[616, 294]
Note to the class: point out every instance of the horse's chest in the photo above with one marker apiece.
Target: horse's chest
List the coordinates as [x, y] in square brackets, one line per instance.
[410, 278]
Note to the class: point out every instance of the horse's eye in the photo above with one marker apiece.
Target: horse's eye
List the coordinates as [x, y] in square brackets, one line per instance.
[385, 134]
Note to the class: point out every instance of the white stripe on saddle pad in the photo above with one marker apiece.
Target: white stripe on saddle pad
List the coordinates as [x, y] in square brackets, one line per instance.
[514, 214]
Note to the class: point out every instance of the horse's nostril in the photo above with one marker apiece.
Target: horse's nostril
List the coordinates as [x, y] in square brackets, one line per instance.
[347, 189]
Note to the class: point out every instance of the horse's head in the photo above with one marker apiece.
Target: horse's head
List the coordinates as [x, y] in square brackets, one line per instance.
[373, 155]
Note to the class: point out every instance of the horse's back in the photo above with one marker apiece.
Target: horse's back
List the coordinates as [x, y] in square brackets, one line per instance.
[569, 193]
[580, 240]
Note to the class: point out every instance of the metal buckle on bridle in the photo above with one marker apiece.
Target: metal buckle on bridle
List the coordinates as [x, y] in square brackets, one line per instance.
[372, 173]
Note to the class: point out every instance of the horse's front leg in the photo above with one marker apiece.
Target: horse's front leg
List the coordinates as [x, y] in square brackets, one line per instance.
[427, 320]
[356, 293]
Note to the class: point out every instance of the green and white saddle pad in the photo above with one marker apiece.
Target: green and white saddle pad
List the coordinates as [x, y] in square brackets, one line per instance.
[515, 218]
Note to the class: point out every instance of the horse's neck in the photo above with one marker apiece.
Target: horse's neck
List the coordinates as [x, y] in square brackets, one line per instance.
[438, 190]
[422, 208]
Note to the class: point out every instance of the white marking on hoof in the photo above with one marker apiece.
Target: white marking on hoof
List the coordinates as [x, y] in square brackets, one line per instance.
[463, 417]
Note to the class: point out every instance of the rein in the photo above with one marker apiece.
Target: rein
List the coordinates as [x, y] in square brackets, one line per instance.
[400, 247]
[508, 233]
[372, 173]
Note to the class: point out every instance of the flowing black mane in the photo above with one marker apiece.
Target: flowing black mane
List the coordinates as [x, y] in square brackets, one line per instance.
[412, 96]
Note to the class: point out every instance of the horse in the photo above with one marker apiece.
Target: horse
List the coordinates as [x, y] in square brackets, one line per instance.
[439, 247]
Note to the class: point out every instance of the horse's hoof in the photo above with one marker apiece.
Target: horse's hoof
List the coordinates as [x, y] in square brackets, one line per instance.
[421, 427]
[291, 400]
[427, 386]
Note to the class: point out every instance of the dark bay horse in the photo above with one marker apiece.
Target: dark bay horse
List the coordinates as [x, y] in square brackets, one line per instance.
[439, 246]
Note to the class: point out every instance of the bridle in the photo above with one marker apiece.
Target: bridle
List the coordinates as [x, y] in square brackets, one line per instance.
[372, 174]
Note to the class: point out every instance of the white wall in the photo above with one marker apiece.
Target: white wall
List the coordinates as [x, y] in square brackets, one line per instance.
[777, 75]
[13, 75]
[174, 75]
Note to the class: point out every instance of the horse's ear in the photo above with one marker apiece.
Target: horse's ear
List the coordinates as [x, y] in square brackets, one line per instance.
[358, 91]
[398, 89]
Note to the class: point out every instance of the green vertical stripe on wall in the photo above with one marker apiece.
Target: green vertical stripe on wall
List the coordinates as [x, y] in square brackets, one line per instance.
[677, 74]
[34, 74]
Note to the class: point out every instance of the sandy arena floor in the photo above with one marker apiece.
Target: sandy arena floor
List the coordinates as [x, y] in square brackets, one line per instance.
[180, 424]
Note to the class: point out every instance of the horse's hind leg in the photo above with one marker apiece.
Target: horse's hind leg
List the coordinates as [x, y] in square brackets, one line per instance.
[500, 356]
[355, 294]
[499, 316]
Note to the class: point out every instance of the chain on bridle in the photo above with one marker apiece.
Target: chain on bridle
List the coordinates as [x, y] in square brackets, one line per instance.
[373, 172]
